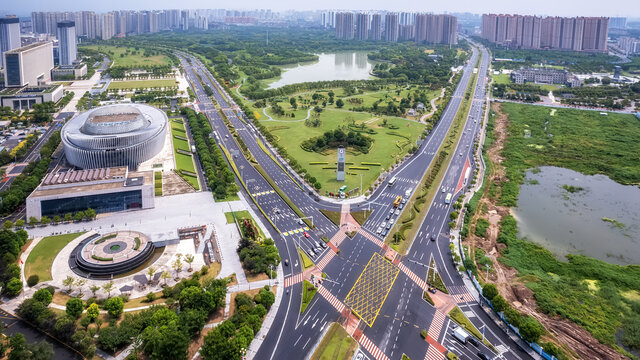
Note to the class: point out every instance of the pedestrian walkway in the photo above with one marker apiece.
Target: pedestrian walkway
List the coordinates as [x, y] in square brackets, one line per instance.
[329, 255]
[294, 279]
[372, 348]
[331, 299]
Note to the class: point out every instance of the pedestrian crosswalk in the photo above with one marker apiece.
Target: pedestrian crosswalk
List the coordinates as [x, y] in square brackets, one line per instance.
[436, 325]
[413, 276]
[460, 294]
[295, 231]
[338, 238]
[372, 348]
[433, 354]
[292, 280]
[325, 260]
[371, 237]
[331, 299]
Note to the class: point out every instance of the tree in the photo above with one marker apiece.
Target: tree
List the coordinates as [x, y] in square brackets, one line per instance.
[265, 297]
[33, 280]
[499, 303]
[65, 327]
[165, 276]
[78, 216]
[489, 291]
[44, 296]
[177, 266]
[339, 103]
[69, 282]
[189, 260]
[90, 213]
[293, 103]
[57, 219]
[108, 288]
[192, 321]
[531, 329]
[19, 223]
[14, 286]
[7, 225]
[114, 306]
[93, 311]
[45, 220]
[79, 284]
[68, 217]
[33, 221]
[94, 289]
[74, 307]
[165, 342]
[194, 297]
[151, 271]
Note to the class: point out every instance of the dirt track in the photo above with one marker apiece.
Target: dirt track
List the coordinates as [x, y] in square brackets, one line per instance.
[576, 341]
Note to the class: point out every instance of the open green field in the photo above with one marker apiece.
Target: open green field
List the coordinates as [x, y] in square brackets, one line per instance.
[41, 257]
[142, 84]
[592, 293]
[183, 161]
[335, 345]
[390, 142]
[129, 56]
[505, 79]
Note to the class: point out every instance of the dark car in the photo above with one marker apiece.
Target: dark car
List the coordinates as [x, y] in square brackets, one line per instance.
[474, 341]
[483, 356]
[286, 262]
[433, 238]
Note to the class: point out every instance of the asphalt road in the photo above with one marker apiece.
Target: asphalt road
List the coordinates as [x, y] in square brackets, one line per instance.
[403, 313]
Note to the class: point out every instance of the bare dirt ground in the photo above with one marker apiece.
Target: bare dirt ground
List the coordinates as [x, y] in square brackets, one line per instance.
[576, 341]
[173, 184]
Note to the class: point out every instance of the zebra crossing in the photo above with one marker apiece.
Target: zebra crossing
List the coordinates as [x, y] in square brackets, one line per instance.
[372, 348]
[413, 276]
[436, 325]
[461, 294]
[433, 354]
[292, 280]
[331, 299]
[371, 237]
[325, 260]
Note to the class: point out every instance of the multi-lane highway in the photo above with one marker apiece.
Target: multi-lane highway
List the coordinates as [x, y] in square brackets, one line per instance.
[388, 295]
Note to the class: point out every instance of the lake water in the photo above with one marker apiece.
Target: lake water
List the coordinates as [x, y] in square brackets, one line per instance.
[349, 65]
[565, 222]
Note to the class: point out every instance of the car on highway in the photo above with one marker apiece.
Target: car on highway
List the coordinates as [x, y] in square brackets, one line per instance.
[306, 234]
[433, 237]
[379, 230]
[473, 341]
[443, 190]
[483, 356]
[300, 222]
[286, 262]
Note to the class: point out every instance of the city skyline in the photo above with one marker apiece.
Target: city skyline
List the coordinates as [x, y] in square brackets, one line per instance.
[540, 8]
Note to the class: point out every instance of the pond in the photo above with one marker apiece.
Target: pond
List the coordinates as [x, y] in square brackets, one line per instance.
[598, 217]
[347, 65]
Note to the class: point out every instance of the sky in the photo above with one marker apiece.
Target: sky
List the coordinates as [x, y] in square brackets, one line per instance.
[627, 8]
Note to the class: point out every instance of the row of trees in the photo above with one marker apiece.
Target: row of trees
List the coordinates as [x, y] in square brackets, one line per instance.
[88, 214]
[10, 245]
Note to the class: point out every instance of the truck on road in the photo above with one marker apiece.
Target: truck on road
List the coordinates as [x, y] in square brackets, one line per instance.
[461, 335]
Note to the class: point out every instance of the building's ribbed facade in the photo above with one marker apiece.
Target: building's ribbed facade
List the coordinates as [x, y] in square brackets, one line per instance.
[114, 135]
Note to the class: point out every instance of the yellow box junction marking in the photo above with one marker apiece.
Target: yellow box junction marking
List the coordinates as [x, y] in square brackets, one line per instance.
[370, 291]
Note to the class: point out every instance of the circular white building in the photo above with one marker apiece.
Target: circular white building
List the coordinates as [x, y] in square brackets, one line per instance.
[114, 135]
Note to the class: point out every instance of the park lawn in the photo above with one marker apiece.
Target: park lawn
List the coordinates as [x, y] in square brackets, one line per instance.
[129, 56]
[335, 345]
[143, 84]
[183, 161]
[41, 257]
[334, 216]
[361, 216]
[501, 79]
[389, 145]
[308, 292]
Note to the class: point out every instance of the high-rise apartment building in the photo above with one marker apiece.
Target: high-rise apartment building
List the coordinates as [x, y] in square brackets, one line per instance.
[9, 35]
[345, 25]
[391, 27]
[184, 20]
[67, 51]
[533, 32]
[618, 23]
[376, 27]
[107, 26]
[436, 29]
[362, 26]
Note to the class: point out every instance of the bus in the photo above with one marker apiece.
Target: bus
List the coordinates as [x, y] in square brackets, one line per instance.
[397, 201]
[447, 200]
[392, 181]
[343, 188]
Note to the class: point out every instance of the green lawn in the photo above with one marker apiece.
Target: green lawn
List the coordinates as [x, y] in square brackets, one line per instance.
[128, 56]
[501, 79]
[335, 345]
[306, 262]
[41, 257]
[361, 216]
[334, 216]
[390, 142]
[183, 161]
[308, 292]
[142, 84]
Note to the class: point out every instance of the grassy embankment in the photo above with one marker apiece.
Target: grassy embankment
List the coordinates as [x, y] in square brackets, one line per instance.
[408, 224]
[603, 298]
[182, 152]
[41, 257]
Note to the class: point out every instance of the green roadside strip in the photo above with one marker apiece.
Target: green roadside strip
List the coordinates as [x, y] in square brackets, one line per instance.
[458, 316]
[284, 197]
[308, 292]
[306, 262]
[264, 148]
[235, 170]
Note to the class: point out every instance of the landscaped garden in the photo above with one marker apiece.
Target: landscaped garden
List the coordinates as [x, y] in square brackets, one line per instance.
[185, 166]
[143, 84]
[41, 257]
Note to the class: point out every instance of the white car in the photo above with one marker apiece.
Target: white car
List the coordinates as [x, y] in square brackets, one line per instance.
[384, 224]
[379, 230]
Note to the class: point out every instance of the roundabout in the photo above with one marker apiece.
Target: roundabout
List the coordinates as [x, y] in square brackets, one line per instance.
[100, 256]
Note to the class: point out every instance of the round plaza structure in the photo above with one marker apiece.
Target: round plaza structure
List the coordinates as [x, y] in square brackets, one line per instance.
[111, 254]
[114, 135]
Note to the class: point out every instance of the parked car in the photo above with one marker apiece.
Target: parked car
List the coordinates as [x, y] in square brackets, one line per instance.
[397, 212]
[384, 233]
[379, 230]
[324, 246]
[384, 224]
[474, 341]
[483, 356]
